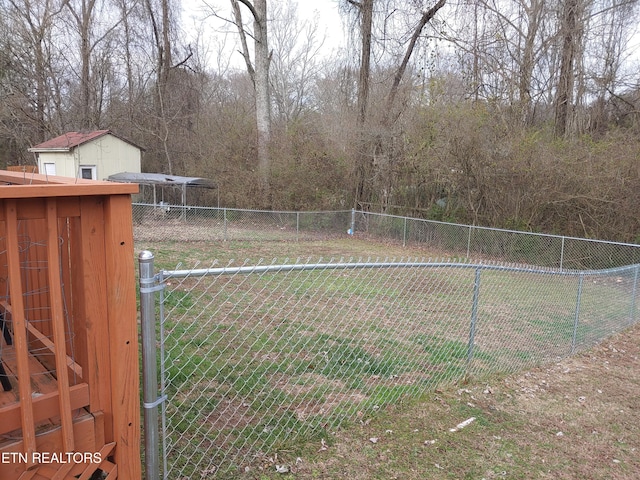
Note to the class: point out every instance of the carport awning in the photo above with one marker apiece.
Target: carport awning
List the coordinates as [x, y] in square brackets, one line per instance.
[161, 179]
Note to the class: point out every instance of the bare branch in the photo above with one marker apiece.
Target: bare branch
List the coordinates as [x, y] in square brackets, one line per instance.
[237, 14]
[426, 17]
[250, 6]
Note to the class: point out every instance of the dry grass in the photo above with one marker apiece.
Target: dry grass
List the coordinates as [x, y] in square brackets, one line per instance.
[576, 419]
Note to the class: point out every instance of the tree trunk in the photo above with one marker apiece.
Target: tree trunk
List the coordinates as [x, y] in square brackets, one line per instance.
[260, 75]
[564, 95]
[84, 19]
[534, 13]
[263, 103]
[161, 36]
[363, 160]
[366, 11]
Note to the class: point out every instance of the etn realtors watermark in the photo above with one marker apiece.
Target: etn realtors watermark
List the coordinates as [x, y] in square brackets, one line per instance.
[50, 457]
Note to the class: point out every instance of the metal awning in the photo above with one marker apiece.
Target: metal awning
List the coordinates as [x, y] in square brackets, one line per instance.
[162, 179]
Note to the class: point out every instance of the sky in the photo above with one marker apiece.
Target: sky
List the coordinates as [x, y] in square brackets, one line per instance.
[329, 21]
[324, 11]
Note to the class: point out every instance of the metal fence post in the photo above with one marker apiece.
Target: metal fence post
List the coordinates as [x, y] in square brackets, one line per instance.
[149, 366]
[577, 315]
[224, 214]
[297, 226]
[474, 317]
[404, 233]
[562, 255]
[469, 241]
[353, 221]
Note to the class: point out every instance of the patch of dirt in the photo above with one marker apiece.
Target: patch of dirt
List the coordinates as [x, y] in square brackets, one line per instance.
[305, 383]
[302, 385]
[231, 414]
[578, 418]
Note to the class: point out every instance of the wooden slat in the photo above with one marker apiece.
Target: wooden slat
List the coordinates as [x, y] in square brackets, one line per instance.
[113, 472]
[43, 342]
[45, 406]
[90, 281]
[40, 341]
[23, 168]
[57, 324]
[46, 472]
[19, 329]
[123, 334]
[3, 253]
[66, 256]
[28, 474]
[62, 472]
[50, 442]
[99, 422]
[105, 451]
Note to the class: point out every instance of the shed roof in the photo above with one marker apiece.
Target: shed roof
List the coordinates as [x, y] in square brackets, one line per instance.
[161, 179]
[70, 140]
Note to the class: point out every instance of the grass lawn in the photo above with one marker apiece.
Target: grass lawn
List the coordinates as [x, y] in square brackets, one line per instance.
[362, 374]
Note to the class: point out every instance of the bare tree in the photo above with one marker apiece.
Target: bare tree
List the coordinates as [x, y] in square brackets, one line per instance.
[30, 56]
[162, 27]
[506, 44]
[610, 32]
[93, 35]
[365, 13]
[593, 36]
[427, 15]
[571, 30]
[377, 150]
[294, 66]
[259, 72]
[362, 160]
[130, 48]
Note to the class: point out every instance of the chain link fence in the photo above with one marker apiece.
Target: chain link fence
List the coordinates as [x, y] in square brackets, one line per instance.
[157, 223]
[470, 241]
[255, 358]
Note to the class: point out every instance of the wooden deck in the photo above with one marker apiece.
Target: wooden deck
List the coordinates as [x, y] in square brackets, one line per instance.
[66, 261]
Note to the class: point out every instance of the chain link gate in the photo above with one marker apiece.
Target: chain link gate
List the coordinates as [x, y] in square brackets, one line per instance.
[253, 358]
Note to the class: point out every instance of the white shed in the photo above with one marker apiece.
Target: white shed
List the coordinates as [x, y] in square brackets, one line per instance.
[91, 155]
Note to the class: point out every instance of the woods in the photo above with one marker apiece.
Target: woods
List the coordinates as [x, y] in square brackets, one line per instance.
[510, 113]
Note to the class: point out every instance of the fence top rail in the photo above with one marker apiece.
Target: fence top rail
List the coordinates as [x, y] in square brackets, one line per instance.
[341, 265]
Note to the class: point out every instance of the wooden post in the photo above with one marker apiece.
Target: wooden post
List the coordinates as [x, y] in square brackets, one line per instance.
[20, 330]
[123, 334]
[57, 325]
[90, 304]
